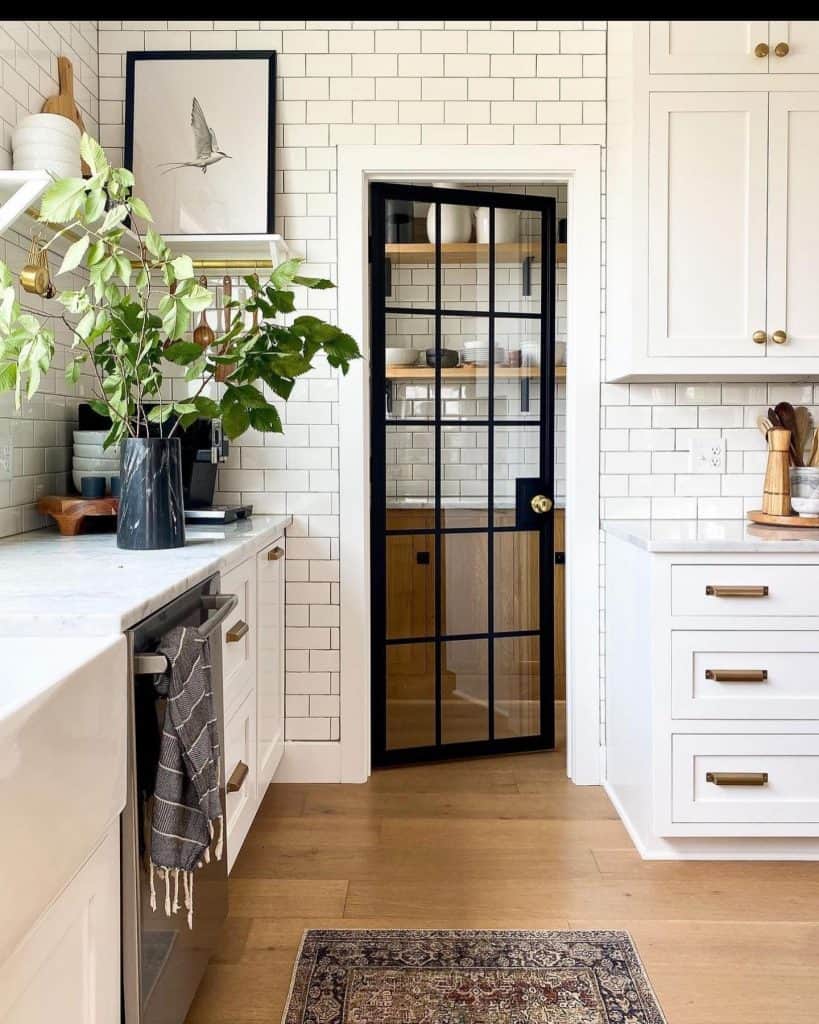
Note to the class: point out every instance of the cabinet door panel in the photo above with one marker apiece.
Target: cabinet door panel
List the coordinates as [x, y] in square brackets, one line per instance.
[802, 38]
[793, 223]
[270, 661]
[707, 47]
[707, 217]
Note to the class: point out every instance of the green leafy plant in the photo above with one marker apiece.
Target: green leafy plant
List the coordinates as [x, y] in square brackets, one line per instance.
[127, 332]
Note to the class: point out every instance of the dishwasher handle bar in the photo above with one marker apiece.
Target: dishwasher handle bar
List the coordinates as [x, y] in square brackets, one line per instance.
[222, 604]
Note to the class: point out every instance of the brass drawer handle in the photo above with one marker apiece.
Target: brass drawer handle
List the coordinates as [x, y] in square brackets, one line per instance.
[720, 591]
[274, 554]
[779, 337]
[761, 50]
[737, 778]
[737, 675]
[237, 778]
[782, 49]
[760, 337]
[239, 629]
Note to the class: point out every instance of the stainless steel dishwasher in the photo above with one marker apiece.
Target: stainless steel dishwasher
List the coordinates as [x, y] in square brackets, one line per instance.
[162, 959]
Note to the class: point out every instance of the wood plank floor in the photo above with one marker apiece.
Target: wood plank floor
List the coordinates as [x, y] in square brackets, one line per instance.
[508, 842]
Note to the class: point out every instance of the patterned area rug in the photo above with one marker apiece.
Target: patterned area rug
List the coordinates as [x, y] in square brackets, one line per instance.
[469, 977]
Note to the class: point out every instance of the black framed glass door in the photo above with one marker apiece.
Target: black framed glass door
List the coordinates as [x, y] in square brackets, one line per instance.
[462, 440]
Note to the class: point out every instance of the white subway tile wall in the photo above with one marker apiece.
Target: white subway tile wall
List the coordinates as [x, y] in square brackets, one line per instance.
[41, 431]
[393, 82]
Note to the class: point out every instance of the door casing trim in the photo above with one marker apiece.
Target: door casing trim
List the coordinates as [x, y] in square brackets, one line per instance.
[580, 168]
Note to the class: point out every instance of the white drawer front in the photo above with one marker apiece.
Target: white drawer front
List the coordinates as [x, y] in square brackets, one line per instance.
[240, 749]
[741, 674]
[790, 795]
[705, 590]
[238, 643]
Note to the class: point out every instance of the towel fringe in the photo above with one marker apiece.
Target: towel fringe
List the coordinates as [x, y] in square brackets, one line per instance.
[220, 822]
[153, 887]
[175, 890]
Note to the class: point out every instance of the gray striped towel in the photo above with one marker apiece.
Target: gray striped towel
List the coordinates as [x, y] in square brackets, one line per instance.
[187, 811]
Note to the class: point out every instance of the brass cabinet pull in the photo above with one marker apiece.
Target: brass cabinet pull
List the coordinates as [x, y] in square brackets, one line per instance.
[737, 675]
[761, 50]
[737, 778]
[720, 591]
[274, 554]
[235, 633]
[540, 503]
[782, 49]
[237, 778]
[760, 337]
[779, 337]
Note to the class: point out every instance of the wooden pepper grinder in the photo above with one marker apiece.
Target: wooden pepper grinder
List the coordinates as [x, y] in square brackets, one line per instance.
[776, 493]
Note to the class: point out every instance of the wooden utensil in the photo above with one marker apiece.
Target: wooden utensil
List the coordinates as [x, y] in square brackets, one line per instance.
[224, 370]
[64, 103]
[203, 335]
[787, 417]
[813, 458]
[776, 492]
[803, 430]
[764, 425]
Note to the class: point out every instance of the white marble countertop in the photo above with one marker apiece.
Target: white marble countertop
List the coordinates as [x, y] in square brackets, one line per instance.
[87, 586]
[699, 535]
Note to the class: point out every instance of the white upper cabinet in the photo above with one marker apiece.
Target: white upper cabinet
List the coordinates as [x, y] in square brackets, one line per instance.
[793, 225]
[709, 47]
[707, 210]
[794, 47]
[712, 205]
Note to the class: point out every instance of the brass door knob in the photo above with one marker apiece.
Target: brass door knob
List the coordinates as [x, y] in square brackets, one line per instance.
[779, 337]
[761, 50]
[540, 503]
[760, 337]
[782, 49]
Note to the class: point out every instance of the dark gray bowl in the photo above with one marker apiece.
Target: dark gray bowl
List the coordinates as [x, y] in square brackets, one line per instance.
[449, 358]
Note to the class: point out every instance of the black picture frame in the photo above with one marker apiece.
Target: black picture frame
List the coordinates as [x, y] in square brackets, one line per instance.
[134, 56]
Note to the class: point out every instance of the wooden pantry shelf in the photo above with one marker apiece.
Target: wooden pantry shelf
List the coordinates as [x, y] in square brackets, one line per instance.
[467, 372]
[467, 252]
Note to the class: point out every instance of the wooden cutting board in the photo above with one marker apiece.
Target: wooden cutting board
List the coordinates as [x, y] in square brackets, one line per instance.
[70, 513]
[809, 522]
[64, 103]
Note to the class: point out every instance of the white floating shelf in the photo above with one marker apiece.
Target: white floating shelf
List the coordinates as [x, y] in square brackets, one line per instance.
[19, 190]
[245, 249]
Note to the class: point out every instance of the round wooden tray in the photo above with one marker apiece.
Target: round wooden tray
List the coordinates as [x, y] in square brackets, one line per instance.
[767, 520]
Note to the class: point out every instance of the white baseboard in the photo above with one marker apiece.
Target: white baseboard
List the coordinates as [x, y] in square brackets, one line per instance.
[717, 848]
[310, 761]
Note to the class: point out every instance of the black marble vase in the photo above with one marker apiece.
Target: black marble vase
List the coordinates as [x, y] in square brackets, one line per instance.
[151, 514]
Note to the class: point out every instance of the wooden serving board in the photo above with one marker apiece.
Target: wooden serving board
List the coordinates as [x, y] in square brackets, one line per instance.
[64, 103]
[70, 513]
[810, 522]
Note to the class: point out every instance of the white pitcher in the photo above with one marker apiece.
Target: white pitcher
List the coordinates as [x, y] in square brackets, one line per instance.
[456, 221]
[507, 225]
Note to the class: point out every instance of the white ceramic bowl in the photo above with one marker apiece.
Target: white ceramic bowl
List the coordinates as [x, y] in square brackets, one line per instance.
[806, 506]
[94, 451]
[400, 356]
[78, 475]
[477, 353]
[90, 436]
[103, 465]
[59, 145]
[50, 122]
[56, 167]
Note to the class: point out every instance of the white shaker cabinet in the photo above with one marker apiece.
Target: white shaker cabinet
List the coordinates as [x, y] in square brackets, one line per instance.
[710, 47]
[712, 209]
[793, 225]
[270, 660]
[707, 211]
[68, 968]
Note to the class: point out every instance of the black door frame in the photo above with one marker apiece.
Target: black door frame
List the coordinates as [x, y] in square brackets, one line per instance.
[380, 193]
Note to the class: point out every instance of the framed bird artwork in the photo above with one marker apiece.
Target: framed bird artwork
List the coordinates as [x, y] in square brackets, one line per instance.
[200, 131]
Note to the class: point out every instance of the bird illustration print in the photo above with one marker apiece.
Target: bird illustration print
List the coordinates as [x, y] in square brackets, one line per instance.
[204, 139]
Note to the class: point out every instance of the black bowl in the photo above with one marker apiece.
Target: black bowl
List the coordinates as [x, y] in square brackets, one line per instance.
[448, 357]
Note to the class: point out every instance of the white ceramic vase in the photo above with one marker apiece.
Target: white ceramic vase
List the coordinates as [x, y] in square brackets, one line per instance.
[507, 225]
[456, 221]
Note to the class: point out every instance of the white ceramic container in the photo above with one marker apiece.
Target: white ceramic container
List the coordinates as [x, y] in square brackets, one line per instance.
[91, 437]
[507, 225]
[49, 123]
[400, 356]
[101, 465]
[456, 221]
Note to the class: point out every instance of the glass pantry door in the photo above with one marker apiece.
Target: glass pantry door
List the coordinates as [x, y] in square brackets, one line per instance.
[462, 437]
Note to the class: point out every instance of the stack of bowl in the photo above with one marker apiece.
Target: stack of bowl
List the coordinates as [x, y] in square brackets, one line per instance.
[47, 142]
[92, 460]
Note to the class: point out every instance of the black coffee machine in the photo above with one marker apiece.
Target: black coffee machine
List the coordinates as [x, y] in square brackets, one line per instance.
[204, 447]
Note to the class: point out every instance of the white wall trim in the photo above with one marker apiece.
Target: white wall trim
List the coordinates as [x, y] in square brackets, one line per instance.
[310, 761]
[579, 167]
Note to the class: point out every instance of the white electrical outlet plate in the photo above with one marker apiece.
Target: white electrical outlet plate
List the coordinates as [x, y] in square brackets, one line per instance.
[6, 454]
[707, 455]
